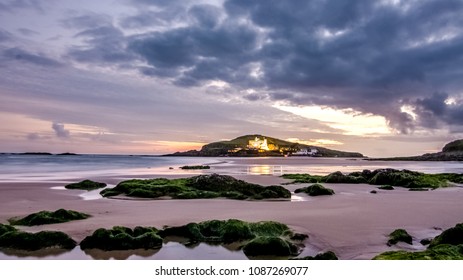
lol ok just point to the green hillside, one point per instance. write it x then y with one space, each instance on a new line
279 148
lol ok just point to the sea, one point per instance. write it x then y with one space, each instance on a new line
46 168
39 168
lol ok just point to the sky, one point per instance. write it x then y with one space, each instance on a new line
384 78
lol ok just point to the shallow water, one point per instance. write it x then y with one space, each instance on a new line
169 251
36 168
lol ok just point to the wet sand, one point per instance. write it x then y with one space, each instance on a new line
353 223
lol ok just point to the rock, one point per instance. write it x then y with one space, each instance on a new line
122 238
87 185
36 241
269 246
47 217
440 252
451 236
315 190
329 255
399 235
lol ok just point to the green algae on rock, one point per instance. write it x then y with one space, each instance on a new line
47 217
399 235
87 185
36 241
202 186
260 238
315 190
123 238
387 176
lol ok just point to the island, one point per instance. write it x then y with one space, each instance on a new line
256 145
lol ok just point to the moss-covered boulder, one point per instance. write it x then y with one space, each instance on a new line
6 228
276 237
339 178
269 245
386 187
329 255
439 252
304 178
399 235
203 186
451 236
315 190
47 217
446 246
226 231
387 176
123 238
36 241
87 185
195 167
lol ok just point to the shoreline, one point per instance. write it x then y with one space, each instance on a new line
353 223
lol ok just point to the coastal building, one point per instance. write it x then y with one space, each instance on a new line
306 152
259 144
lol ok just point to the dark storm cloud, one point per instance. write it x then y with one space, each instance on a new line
5 35
87 20
12 5
360 54
103 43
27 32
18 54
436 107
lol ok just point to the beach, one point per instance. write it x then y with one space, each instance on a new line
353 223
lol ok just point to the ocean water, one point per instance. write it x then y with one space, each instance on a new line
36 168
41 168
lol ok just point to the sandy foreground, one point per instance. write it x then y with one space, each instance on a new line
353 223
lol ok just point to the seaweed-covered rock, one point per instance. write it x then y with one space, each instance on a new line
339 178
87 185
386 187
260 238
36 241
303 178
269 245
315 190
299 237
446 246
440 252
202 186
232 230
425 241
451 236
329 255
6 228
399 235
47 217
122 238
193 167
388 176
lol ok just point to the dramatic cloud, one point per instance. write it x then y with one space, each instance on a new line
321 69
365 55
60 131
17 54
11 5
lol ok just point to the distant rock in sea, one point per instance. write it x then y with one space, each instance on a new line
452 151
